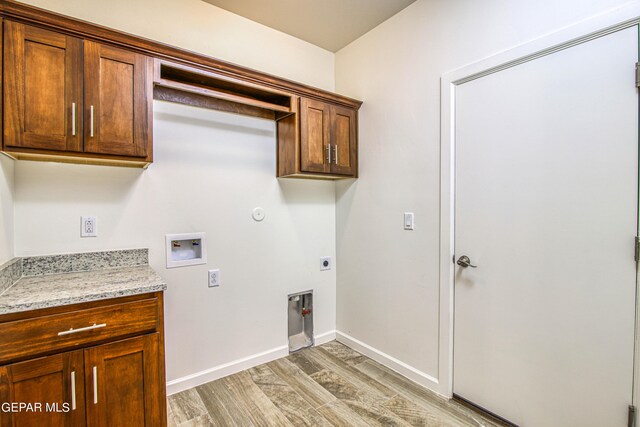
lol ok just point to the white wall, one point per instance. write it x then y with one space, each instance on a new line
211 169
388 290
6 209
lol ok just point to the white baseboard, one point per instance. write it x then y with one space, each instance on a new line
221 371
325 338
390 362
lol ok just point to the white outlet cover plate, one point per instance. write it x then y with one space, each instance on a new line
322 262
214 278
88 226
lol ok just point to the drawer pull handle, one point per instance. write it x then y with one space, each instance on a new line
73 390
91 121
88 328
73 119
95 385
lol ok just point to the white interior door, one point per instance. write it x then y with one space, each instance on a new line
546 191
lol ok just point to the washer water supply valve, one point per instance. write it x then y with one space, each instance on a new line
305 311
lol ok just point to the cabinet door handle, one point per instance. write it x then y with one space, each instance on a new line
95 385
73 119
336 156
329 153
73 390
86 328
91 121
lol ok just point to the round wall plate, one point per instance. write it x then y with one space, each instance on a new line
258 214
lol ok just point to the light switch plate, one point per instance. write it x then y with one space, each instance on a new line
408 221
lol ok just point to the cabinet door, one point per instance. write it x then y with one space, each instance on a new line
42 89
53 385
116 104
314 136
123 384
344 141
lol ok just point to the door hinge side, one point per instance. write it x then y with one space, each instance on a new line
636 250
631 422
637 74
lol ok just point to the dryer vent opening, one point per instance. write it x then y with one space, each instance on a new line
300 320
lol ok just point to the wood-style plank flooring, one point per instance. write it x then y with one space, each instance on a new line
329 385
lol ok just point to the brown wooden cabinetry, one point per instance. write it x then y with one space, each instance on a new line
64 96
318 141
343 132
124 379
52 385
103 365
42 89
115 90
315 136
82 93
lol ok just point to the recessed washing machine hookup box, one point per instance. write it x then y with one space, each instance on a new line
300 321
186 249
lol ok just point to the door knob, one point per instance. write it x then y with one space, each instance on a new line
465 262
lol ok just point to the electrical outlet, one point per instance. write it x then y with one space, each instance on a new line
325 263
214 278
89 226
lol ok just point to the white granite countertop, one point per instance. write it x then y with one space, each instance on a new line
31 293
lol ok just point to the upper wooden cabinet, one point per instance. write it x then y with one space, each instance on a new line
318 141
42 89
82 93
115 93
315 136
344 130
64 96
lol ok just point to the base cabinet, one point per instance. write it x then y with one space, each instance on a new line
52 386
121 380
113 381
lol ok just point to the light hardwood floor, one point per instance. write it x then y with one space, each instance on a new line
329 385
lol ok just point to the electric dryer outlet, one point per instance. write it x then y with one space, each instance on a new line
325 263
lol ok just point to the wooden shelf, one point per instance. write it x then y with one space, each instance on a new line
182 81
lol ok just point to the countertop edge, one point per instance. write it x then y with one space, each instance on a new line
18 308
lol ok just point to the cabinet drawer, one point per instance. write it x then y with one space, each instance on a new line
46 334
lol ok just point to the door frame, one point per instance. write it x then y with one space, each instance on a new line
600 25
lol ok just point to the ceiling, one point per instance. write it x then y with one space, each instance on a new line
330 24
